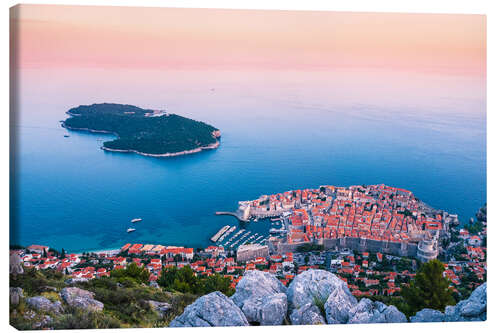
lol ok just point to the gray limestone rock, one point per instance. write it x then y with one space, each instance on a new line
427 316
338 305
367 312
308 314
73 281
15 264
311 286
266 310
214 309
161 308
41 303
16 294
261 296
82 299
471 309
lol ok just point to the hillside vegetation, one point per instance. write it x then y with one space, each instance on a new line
138 130
126 296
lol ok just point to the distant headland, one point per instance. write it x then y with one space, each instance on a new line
141 131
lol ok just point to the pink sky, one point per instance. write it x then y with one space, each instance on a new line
128 37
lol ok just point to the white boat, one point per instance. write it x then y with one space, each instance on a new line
130 229
135 220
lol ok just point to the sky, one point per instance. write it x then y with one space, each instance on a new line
138 37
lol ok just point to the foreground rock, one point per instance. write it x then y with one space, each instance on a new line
15 264
367 311
261 297
43 304
161 308
471 309
15 295
427 316
313 297
313 286
214 309
81 299
308 314
338 305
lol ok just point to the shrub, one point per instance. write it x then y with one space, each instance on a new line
78 319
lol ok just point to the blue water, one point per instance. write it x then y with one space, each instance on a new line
67 193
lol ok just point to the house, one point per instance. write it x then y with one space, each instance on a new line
38 248
475 241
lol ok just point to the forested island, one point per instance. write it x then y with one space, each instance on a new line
142 131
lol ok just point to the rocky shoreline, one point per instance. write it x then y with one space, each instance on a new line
184 152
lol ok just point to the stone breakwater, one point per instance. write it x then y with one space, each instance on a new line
313 297
215 145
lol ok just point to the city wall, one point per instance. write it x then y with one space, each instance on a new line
402 249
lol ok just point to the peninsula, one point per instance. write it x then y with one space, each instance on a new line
142 131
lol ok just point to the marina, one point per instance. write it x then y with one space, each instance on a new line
219 233
233 237
227 233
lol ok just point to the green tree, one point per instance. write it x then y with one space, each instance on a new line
183 280
217 282
131 273
429 289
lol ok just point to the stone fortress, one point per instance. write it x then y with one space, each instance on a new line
374 218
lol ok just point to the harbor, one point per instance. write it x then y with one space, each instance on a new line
231 237
219 233
237 214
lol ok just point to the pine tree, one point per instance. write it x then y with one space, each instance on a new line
63 254
429 289
44 254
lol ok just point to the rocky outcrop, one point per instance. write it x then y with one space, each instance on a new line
427 316
81 299
338 305
15 264
74 281
161 308
15 295
43 304
313 297
266 310
261 297
367 311
308 314
311 287
214 309
471 309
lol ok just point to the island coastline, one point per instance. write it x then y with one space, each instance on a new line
215 134
184 152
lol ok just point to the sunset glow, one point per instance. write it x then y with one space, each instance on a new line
83 36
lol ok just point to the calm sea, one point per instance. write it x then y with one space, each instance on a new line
281 130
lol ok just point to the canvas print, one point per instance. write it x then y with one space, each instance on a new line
214 167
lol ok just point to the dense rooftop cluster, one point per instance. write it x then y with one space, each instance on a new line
376 212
